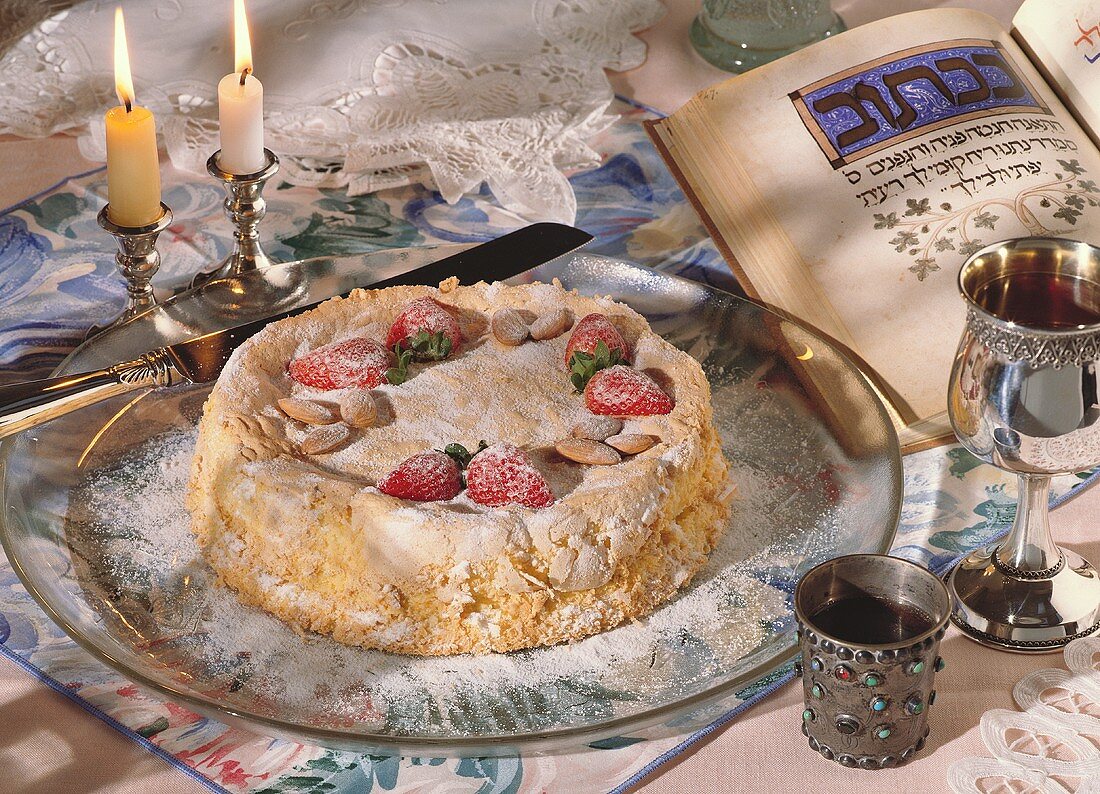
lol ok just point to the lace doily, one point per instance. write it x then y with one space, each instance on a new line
359 94
1053 744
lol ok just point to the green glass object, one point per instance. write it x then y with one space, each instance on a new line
737 35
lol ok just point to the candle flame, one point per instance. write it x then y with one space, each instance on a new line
124 83
241 41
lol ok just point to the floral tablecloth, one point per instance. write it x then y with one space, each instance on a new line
57 277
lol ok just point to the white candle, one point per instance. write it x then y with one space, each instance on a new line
241 106
133 173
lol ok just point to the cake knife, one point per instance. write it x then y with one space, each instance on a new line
200 360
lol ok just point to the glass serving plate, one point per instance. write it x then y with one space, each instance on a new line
95 526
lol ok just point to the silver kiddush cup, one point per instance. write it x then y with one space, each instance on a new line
869 629
1023 396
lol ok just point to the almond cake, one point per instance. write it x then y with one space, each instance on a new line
460 469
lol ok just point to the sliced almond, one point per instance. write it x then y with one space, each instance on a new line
509 327
597 428
308 411
583 450
358 409
552 324
631 443
324 439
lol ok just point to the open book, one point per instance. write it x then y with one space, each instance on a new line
846 183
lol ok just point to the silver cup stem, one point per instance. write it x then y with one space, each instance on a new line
1029 546
245 207
137 259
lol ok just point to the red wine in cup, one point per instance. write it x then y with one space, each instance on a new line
1041 300
865 620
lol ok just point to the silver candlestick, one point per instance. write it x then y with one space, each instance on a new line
137 260
245 207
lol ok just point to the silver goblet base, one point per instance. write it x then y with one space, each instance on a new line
1017 611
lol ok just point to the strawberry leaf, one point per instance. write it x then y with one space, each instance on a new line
603 355
399 374
583 366
462 456
459 453
430 347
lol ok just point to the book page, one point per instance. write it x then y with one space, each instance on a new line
1064 41
850 181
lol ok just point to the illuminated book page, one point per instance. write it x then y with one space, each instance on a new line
1064 40
848 182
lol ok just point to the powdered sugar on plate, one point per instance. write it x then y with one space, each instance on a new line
137 559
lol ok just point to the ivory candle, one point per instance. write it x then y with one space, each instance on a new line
133 172
241 106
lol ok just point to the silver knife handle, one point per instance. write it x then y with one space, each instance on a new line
24 405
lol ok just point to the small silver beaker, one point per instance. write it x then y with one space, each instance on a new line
869 628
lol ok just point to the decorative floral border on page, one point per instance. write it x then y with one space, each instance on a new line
923 231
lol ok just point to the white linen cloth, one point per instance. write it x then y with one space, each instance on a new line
360 94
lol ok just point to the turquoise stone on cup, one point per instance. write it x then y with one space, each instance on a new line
737 35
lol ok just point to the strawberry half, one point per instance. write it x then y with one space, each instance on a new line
592 329
427 329
504 475
358 361
425 477
622 391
